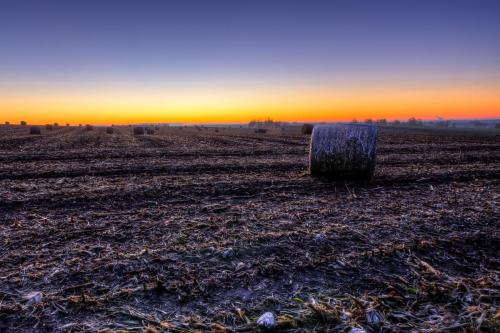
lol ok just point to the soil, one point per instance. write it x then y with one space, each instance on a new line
204 230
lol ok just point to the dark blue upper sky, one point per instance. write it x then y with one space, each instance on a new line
182 41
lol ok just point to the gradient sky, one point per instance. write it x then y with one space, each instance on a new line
232 61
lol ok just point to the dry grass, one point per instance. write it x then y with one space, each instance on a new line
190 231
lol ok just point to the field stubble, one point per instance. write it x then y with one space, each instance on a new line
194 229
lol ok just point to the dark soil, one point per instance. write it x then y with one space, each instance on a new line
201 230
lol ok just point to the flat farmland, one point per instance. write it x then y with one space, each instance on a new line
205 229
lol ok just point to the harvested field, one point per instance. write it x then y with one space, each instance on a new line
206 230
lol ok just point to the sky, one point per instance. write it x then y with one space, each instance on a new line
218 61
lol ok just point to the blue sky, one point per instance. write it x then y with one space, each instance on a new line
238 40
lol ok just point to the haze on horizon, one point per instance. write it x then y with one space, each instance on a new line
232 61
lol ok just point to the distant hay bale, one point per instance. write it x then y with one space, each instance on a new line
23 123
49 127
89 127
150 131
109 130
343 152
138 130
261 130
307 129
35 130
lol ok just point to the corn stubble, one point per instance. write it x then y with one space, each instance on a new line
188 231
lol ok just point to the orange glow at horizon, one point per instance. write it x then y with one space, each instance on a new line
240 106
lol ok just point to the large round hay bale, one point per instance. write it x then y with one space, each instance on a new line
307 129
343 152
138 130
109 130
35 130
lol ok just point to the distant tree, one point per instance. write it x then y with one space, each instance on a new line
266 123
443 123
415 122
382 122
369 121
396 122
354 121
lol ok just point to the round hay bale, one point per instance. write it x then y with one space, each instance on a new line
49 127
343 152
307 129
138 130
35 130
109 130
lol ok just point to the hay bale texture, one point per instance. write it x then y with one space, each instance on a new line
138 130
35 130
343 151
